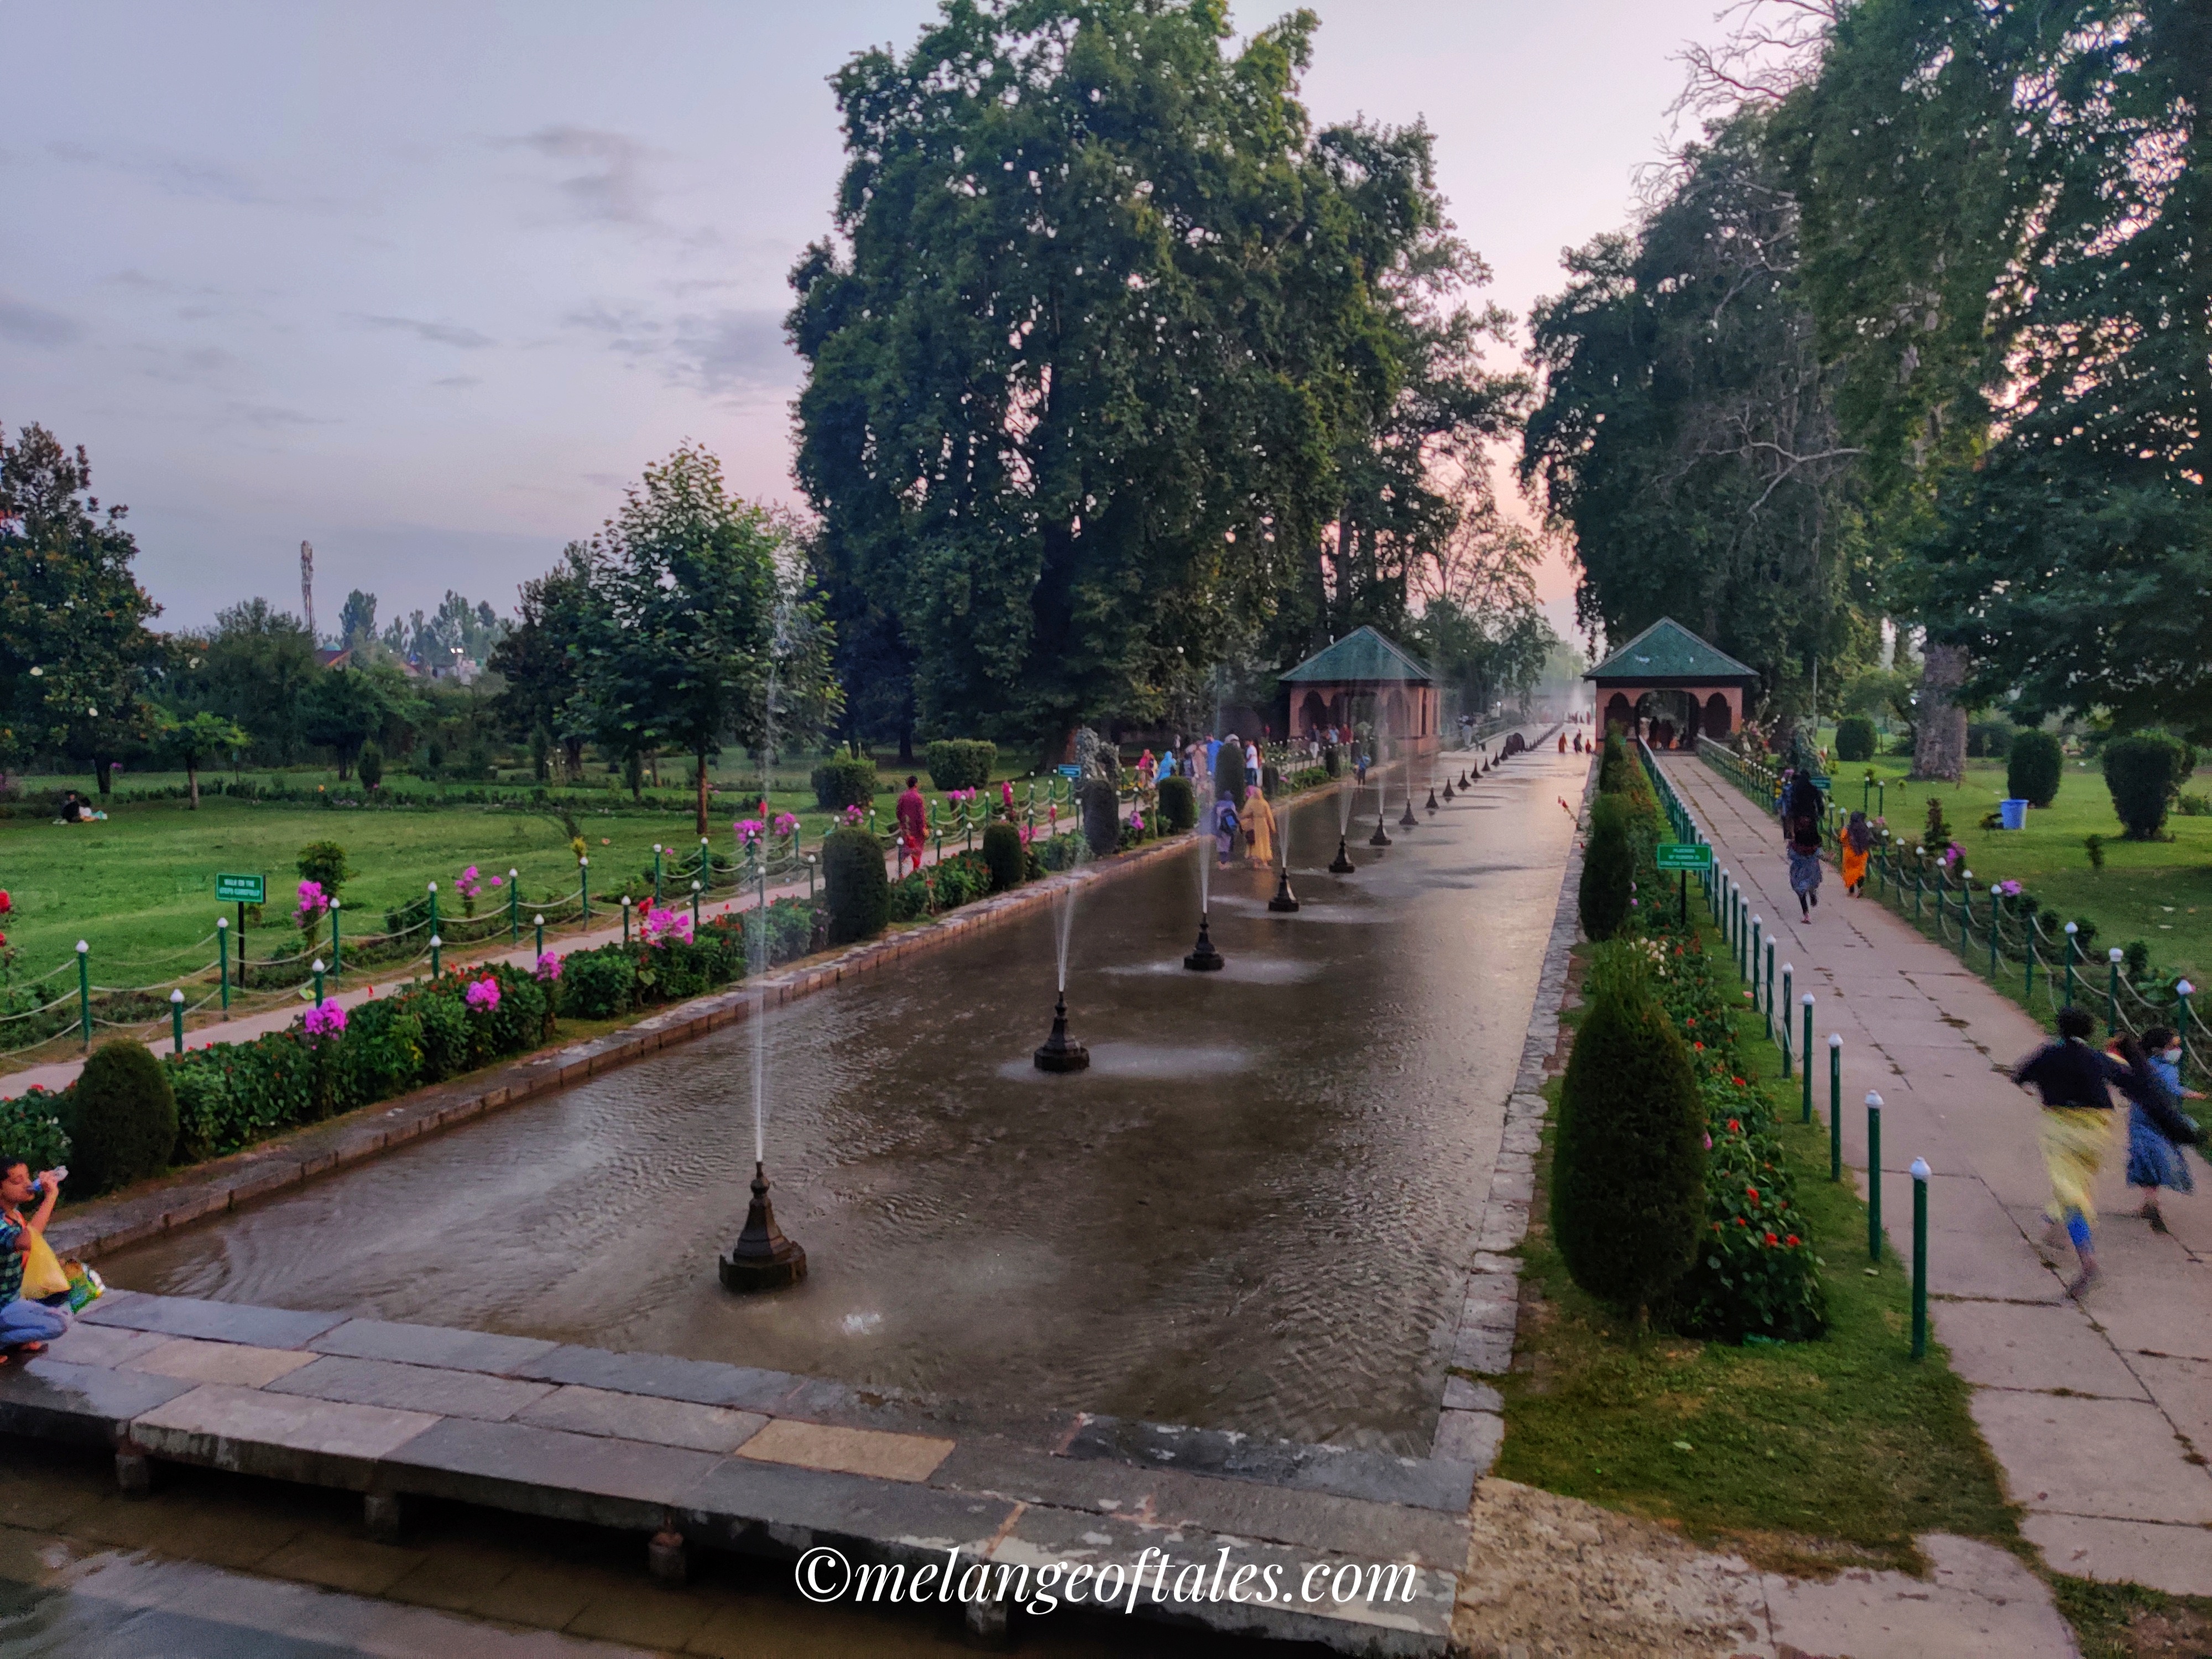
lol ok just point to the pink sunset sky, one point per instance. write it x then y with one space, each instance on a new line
425 284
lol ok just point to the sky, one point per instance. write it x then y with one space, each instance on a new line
425 284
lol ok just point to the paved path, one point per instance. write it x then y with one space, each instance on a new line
2096 1413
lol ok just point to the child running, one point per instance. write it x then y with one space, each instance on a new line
2157 1130
2072 1079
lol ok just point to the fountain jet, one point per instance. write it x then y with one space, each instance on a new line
1203 958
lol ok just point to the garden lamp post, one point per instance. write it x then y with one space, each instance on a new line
810 878
316 969
84 989
2073 930
695 908
337 961
2113 991
656 873
177 1021
222 959
1920 1174
1874 1177
541 938
433 907
1835 1106
625 908
584 885
514 906
437 945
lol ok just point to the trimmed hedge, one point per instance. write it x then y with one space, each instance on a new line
844 780
1178 804
960 762
1003 853
1628 1163
1608 869
2145 771
122 1118
2034 767
1102 816
855 886
1855 738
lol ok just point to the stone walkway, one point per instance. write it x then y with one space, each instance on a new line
2096 1413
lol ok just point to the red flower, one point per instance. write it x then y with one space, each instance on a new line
1741 1222
1752 1193
1738 1081
1734 1124
1771 1239
1792 1239
1699 1046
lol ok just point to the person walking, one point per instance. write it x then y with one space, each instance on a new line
26 1326
913 816
2072 1079
1226 828
1858 845
1251 765
1258 827
1800 832
2157 1129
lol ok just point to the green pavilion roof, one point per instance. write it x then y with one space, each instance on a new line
1361 657
1668 651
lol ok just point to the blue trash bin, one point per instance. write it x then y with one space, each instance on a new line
2012 814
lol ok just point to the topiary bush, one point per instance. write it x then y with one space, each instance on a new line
1178 804
1855 738
1628 1164
844 780
1102 816
30 1130
122 1118
2145 771
370 764
855 887
1229 773
324 862
960 762
1614 762
1003 853
1608 868
2034 767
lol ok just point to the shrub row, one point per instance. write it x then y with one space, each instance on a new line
960 762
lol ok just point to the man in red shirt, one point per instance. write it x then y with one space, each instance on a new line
913 821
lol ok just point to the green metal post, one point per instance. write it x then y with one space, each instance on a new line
584 887
695 908
316 968
1881 799
810 878
1835 1106
2113 993
1866 794
338 960
2182 990
434 908
513 908
177 1021
2072 933
1874 1177
1770 991
1757 923
1919 880
541 938
222 959
1788 974
84 989
1806 1002
1920 1258
1996 916
625 905
437 945
656 873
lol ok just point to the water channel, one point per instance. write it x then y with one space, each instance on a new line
1253 1211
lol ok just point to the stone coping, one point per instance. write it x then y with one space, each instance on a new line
222 1184
737 1458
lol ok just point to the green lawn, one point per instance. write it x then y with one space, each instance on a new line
1805 1456
2157 891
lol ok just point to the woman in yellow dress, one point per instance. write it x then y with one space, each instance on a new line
1258 827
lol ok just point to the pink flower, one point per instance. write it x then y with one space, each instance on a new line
314 904
749 831
662 926
785 824
549 968
852 816
466 884
327 1020
483 994
499 881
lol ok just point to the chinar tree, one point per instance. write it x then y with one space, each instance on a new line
703 627
1101 320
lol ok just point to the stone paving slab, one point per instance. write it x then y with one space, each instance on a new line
1426 1483
548 1472
780 1509
431 1344
583 1410
2116 1458
2174 1558
410 1387
217 1321
702 1381
2012 1345
318 1442
1978 1598
52 1399
846 1451
192 1360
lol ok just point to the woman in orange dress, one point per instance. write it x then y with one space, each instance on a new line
1858 842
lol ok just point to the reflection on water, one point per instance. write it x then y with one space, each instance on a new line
1252 1212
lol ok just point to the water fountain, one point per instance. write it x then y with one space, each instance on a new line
1284 900
1341 865
1059 1053
1432 794
1203 958
1448 788
1406 819
1380 837
763 1258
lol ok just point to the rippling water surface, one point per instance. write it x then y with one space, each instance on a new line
1253 1211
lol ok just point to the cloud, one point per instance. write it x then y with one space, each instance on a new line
610 185
32 325
456 382
450 334
733 351
274 415
172 175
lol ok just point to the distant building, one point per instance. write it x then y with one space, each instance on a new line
1365 677
328 657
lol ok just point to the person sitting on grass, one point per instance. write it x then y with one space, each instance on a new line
25 1327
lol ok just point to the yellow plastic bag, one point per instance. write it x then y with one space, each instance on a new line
42 1271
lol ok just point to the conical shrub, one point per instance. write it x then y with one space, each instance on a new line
856 891
122 1122
1608 868
1003 853
1628 1158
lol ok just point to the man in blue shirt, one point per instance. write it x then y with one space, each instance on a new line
26 1327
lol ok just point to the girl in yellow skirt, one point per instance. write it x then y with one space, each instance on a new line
2073 1080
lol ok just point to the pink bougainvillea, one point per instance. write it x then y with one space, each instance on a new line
327 1020
749 831
785 824
483 994
852 816
549 968
662 926
314 905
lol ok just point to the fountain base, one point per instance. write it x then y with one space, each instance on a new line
1432 797
1406 820
1203 958
762 1259
1448 788
1342 864
1284 900
1380 837
1059 1053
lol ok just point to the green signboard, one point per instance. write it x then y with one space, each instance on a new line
241 890
1683 856
1822 783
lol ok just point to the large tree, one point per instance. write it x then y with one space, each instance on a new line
1104 327
703 628
1687 434
75 652
540 659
